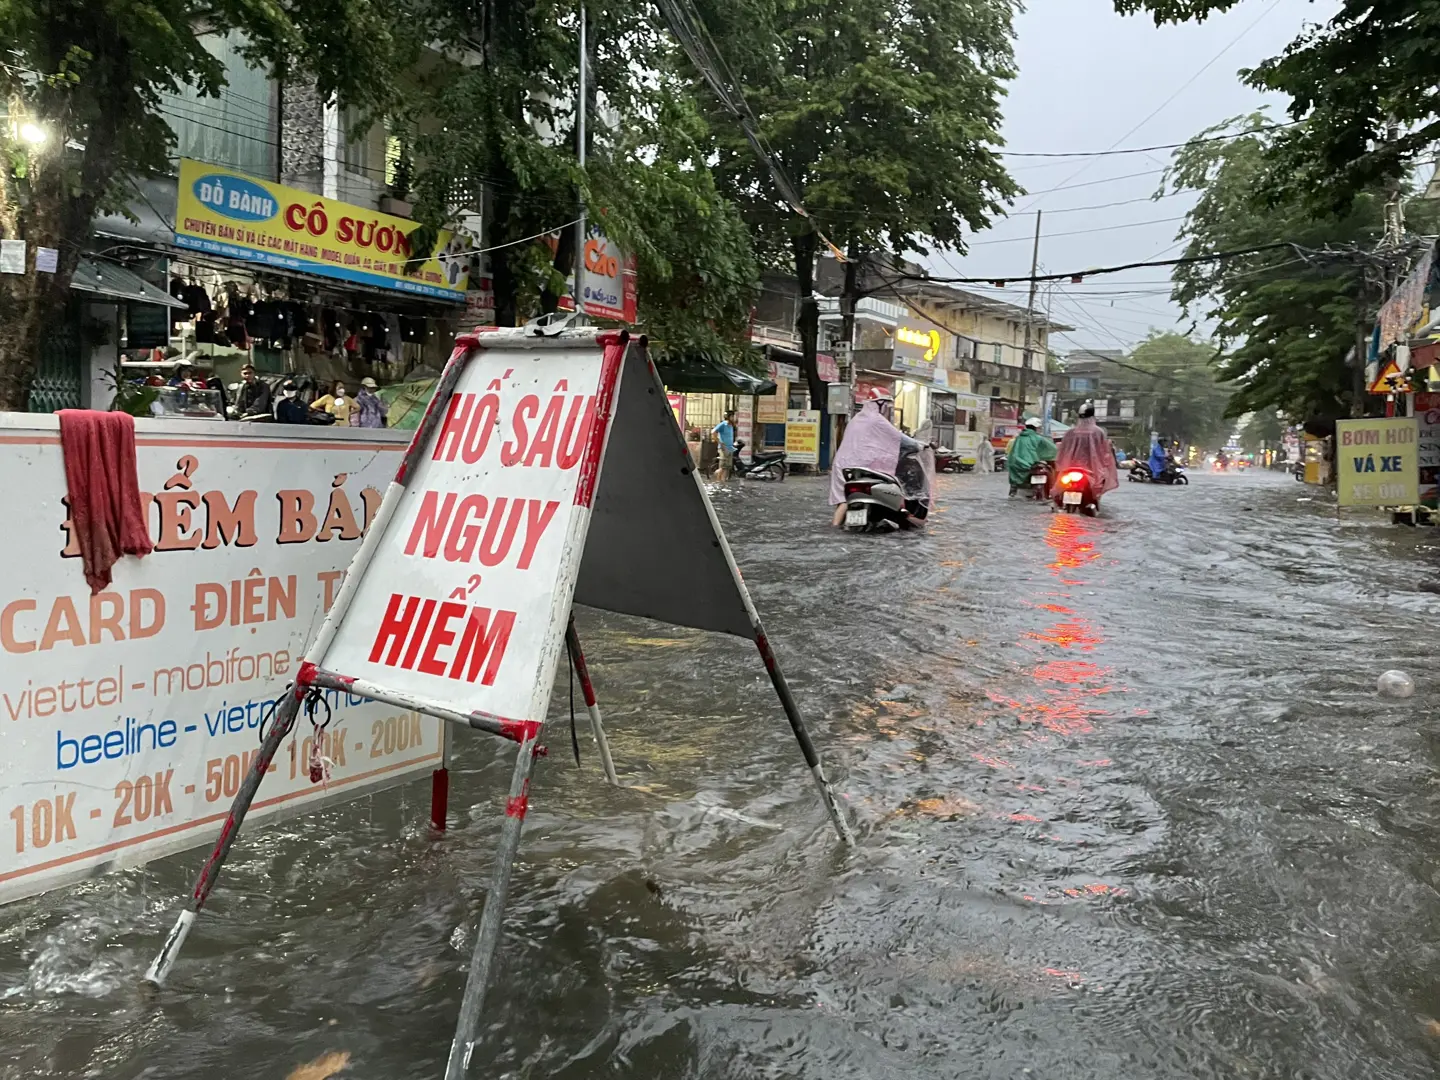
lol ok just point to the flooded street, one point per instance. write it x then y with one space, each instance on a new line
1128 806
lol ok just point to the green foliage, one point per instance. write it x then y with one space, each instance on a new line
1264 428
1181 399
885 119
1285 322
1372 65
508 124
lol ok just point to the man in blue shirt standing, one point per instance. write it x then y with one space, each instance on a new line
725 435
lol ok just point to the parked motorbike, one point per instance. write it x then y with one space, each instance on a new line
769 465
1075 493
947 460
878 502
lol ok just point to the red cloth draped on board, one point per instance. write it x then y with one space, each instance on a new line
106 518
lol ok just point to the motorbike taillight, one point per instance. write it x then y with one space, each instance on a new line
858 487
1071 478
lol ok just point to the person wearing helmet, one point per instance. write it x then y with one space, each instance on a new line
1023 452
1087 447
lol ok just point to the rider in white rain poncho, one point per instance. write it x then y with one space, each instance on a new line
871 442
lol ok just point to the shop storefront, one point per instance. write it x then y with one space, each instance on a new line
299 287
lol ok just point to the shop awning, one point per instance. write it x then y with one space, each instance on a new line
113 280
701 375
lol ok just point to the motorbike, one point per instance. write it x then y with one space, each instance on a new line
761 466
1041 477
878 502
1174 473
1075 493
947 460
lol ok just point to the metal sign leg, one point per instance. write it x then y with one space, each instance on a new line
802 736
582 672
285 713
487 938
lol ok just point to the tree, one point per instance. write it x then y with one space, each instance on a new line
83 81
885 120
502 135
1286 318
1264 428
1179 397
1371 67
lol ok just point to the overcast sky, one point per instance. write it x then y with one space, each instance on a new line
1091 80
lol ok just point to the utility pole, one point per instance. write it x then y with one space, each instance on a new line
1030 318
580 237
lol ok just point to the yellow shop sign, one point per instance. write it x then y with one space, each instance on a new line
227 213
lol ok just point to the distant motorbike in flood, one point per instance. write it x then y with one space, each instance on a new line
1173 473
1075 493
879 502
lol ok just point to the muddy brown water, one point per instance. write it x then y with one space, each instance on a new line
1129 807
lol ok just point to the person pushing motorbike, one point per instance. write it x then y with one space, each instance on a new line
1023 452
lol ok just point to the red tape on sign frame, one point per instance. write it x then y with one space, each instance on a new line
615 345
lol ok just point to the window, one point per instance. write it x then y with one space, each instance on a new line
238 129
357 148
1078 383
998 353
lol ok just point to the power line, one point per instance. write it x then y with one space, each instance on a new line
1093 271
1148 149
1081 232
1182 88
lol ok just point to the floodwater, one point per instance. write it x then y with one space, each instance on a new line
1129 806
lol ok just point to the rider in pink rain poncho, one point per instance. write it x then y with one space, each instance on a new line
1087 447
871 442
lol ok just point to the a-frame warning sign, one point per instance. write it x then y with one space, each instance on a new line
548 471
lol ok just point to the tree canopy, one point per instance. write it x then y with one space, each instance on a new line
1285 319
1179 397
1372 65
886 121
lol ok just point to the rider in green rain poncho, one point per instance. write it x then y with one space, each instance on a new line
1024 451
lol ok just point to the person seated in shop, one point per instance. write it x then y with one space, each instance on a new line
290 409
254 396
336 403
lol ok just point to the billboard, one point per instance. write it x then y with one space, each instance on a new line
223 212
132 715
1377 462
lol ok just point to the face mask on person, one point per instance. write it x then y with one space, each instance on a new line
289 391
340 391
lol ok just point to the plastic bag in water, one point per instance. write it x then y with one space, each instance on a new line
1395 684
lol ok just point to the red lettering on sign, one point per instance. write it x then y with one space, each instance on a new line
514 450
394 628
430 523
484 643
460 547
452 430
414 625
537 517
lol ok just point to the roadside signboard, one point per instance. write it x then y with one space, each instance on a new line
1427 413
1377 462
608 285
802 436
131 715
